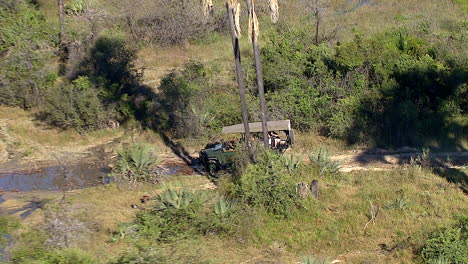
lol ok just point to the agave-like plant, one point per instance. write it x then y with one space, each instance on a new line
177 199
292 163
135 164
222 207
327 167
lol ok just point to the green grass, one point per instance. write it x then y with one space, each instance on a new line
413 202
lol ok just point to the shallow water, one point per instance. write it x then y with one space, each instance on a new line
54 178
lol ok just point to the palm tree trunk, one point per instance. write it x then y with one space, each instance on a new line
261 90
61 20
63 53
240 80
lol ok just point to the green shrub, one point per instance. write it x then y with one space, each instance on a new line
181 214
77 106
193 104
26 42
7 224
43 255
449 245
69 256
268 184
135 164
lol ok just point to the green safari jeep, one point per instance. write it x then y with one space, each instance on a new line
217 157
220 155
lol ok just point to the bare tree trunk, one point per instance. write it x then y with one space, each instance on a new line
63 50
317 25
240 80
61 20
261 90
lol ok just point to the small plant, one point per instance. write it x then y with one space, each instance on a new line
75 7
136 164
222 207
398 203
422 160
328 168
292 163
123 231
314 260
175 199
440 260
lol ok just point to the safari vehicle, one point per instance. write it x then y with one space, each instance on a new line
220 155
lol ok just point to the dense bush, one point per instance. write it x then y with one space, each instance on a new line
25 47
268 184
450 245
182 214
390 89
77 105
192 104
167 22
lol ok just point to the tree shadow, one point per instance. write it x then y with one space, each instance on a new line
418 110
455 176
111 64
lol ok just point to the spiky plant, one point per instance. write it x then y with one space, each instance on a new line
327 167
292 163
314 260
177 199
135 164
222 207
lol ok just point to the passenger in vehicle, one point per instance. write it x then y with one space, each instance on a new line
274 139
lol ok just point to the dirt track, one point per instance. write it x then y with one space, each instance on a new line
383 161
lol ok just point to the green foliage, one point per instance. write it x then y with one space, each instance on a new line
449 245
43 255
25 48
177 199
268 184
77 105
69 256
400 202
144 257
222 207
75 7
292 163
188 105
136 163
390 89
7 225
327 167
111 58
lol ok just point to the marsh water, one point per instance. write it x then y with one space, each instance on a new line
55 178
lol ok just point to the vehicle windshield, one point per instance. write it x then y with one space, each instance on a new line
218 146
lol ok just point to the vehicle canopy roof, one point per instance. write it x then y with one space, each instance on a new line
257 127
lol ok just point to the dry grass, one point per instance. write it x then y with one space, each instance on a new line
36 141
311 141
105 207
377 16
159 61
334 226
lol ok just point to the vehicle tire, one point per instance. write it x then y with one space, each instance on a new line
211 168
